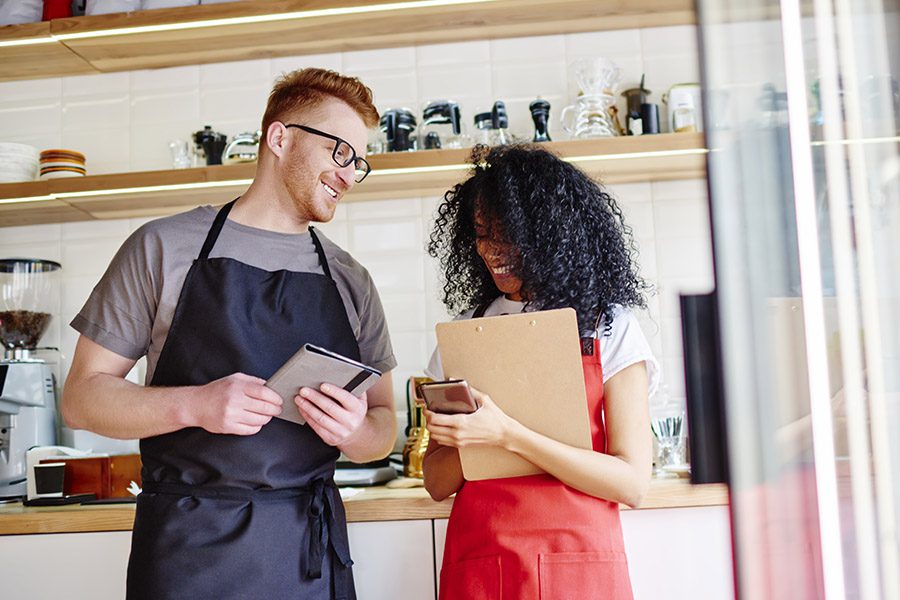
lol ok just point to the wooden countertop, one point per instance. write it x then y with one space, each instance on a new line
372 504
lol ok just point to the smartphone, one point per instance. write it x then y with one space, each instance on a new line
451 397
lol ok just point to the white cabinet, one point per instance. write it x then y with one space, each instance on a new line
679 553
393 560
675 553
80 566
440 535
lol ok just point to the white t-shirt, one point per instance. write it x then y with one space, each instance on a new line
624 346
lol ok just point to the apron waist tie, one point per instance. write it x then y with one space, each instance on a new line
324 529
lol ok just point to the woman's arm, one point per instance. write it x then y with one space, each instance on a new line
442 469
622 475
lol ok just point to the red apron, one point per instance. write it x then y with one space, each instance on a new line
530 538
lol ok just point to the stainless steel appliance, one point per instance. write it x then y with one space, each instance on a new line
243 148
27 386
27 418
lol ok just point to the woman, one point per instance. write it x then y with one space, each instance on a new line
528 231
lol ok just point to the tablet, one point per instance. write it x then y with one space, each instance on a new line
312 366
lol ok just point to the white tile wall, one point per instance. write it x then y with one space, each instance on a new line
124 121
389 238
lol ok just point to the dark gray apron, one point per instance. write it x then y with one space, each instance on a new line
229 516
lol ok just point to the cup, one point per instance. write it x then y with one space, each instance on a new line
181 154
668 426
49 479
57 9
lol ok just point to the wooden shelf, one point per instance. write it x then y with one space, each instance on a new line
270 28
394 176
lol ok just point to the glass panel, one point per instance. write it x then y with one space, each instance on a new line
802 114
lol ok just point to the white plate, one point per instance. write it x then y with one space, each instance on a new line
61 174
14 148
682 470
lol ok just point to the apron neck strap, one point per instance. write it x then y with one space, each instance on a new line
321 252
481 309
219 222
215 230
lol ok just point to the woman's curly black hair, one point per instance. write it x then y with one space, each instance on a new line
576 250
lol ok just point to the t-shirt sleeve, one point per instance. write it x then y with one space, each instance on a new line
119 313
435 370
626 345
374 339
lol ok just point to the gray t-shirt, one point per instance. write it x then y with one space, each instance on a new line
130 310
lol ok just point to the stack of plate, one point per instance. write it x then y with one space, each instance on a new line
62 163
18 162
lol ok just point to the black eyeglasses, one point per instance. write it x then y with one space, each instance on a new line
343 153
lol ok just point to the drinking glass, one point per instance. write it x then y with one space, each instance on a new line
668 426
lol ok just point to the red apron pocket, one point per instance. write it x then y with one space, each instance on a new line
473 579
584 576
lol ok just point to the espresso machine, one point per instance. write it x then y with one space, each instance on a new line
28 288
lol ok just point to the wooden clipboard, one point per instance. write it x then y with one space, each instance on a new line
530 366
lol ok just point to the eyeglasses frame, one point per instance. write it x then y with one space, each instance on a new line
337 144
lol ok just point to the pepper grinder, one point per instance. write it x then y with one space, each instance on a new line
540 114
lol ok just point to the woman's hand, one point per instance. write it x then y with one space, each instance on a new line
487 426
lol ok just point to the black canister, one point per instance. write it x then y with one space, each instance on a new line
649 118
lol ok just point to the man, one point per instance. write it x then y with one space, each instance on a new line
236 503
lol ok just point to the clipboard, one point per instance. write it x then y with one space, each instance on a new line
530 366
312 366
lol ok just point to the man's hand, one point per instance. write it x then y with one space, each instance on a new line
238 404
334 413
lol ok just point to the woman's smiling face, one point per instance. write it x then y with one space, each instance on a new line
501 257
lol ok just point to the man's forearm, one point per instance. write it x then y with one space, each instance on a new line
111 406
375 437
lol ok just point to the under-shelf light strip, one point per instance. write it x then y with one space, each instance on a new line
201 185
381 172
288 16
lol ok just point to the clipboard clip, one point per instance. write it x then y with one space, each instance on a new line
587 346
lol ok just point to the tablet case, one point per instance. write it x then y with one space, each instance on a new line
530 366
312 366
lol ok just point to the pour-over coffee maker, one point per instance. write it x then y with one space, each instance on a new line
28 288
598 80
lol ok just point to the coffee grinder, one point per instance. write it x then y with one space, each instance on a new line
28 291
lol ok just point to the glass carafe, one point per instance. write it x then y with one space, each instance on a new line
589 117
598 80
